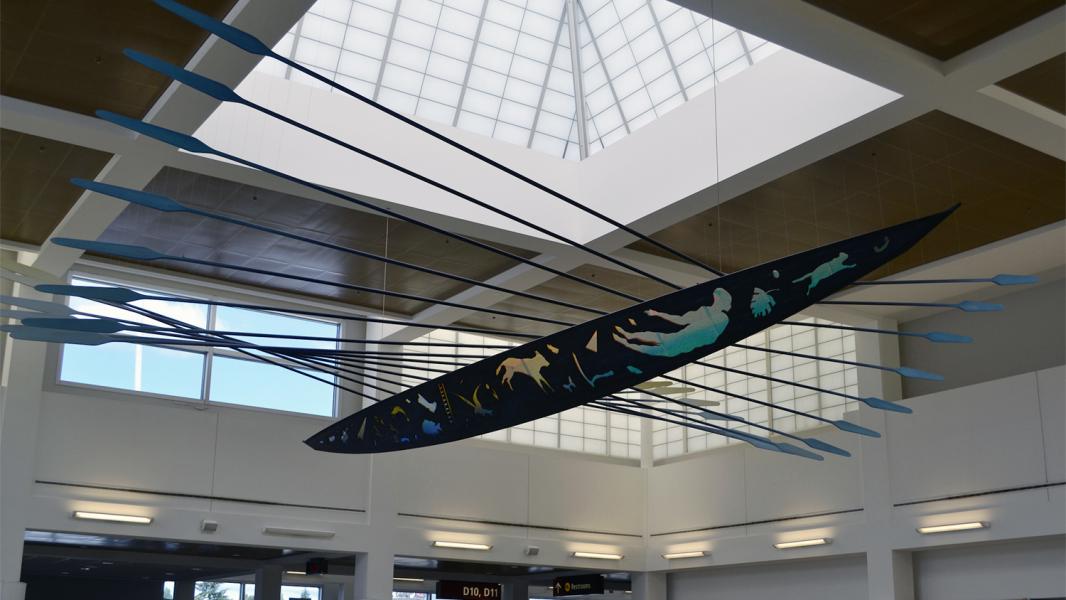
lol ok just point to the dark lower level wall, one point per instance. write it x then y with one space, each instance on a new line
76 588
1029 335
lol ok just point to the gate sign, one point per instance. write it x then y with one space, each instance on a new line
469 590
577 585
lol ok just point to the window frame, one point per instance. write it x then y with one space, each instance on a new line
204 401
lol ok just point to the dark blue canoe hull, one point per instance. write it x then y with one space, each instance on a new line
608 354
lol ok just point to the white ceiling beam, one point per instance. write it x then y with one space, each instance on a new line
950 85
1003 116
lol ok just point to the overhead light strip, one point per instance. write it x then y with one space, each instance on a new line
598 555
97 516
409 579
460 545
802 543
953 527
678 555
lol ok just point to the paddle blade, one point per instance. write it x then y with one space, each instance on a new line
167 136
875 402
947 338
10 313
797 451
122 250
818 444
199 83
918 374
129 195
231 34
87 325
971 306
1006 279
41 306
855 428
92 292
35 334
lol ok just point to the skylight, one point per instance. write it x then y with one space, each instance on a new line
505 68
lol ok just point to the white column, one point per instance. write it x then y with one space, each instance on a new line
889 573
268 582
373 570
19 423
333 591
373 576
649 586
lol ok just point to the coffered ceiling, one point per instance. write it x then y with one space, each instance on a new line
1044 83
68 53
940 28
35 193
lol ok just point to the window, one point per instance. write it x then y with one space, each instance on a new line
194 373
673 440
505 69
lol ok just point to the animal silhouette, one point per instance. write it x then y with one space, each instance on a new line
530 367
825 270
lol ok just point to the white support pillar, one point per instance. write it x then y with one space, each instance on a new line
649 586
373 576
889 573
373 570
19 423
268 582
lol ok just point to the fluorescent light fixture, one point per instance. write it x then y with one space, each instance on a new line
409 579
295 573
460 545
692 554
310 533
598 555
953 527
802 543
96 516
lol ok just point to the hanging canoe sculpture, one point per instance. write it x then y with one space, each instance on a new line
608 354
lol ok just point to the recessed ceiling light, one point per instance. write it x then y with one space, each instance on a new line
96 516
409 579
461 545
953 527
598 555
802 543
692 554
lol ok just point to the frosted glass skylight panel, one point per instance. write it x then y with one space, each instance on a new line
672 440
504 68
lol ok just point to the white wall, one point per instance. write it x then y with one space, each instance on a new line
1033 568
741 484
248 469
812 579
978 438
1029 314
